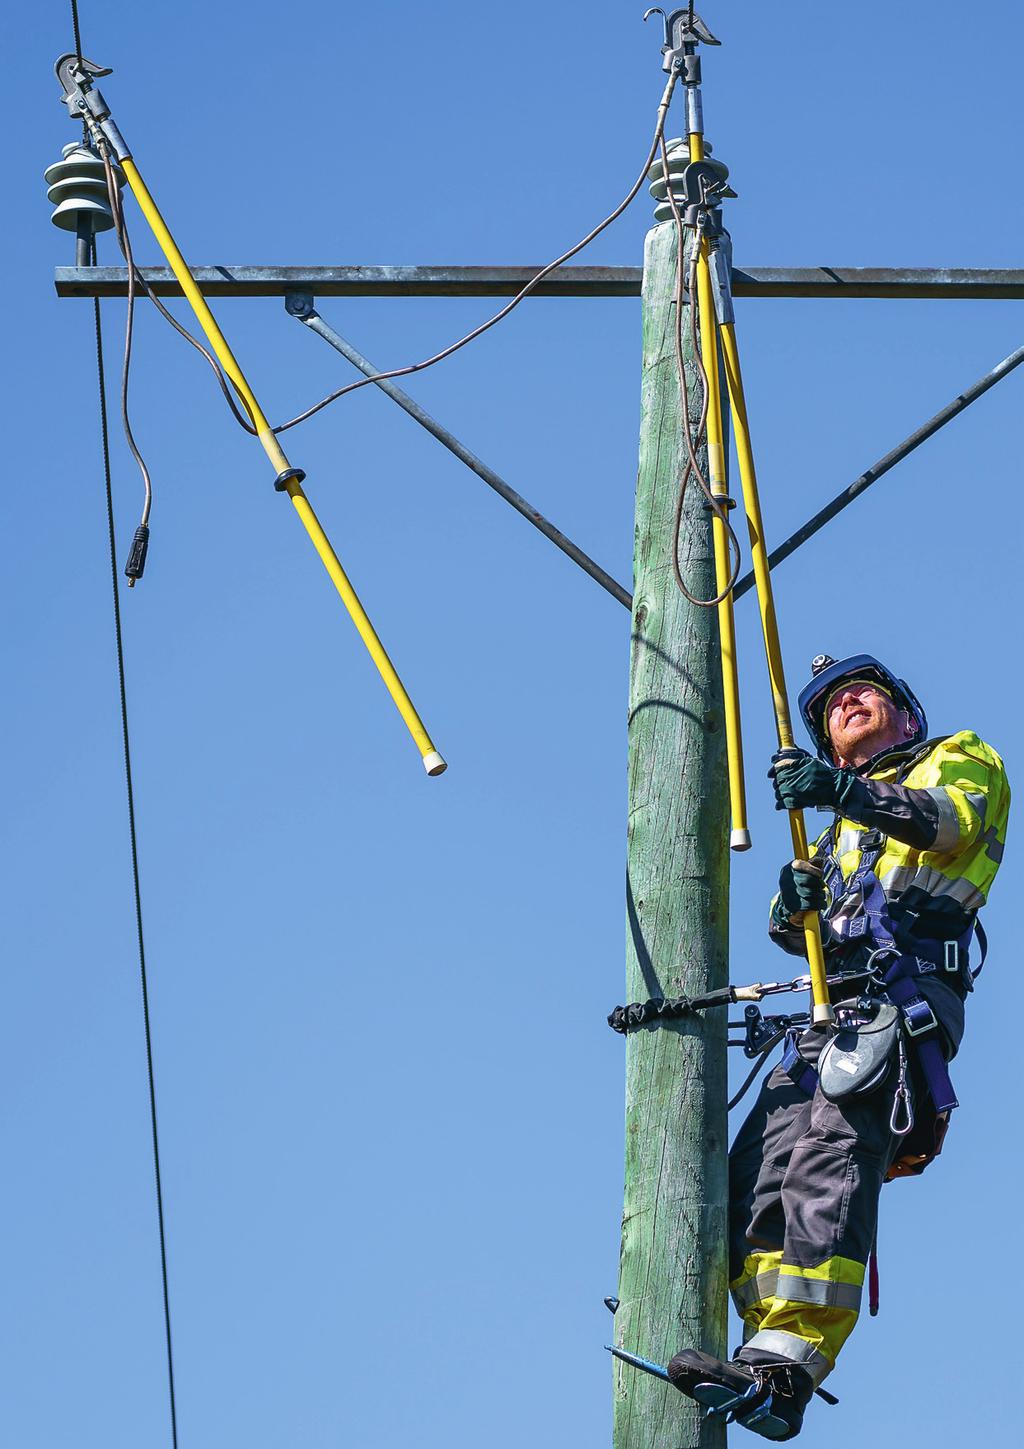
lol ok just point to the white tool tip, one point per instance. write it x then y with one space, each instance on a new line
823 1015
434 764
739 840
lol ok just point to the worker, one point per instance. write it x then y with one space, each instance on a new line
898 877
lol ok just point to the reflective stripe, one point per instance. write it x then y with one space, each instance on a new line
960 772
933 883
947 830
787 1345
819 1291
755 1290
978 803
993 848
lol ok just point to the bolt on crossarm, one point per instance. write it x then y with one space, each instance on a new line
85 102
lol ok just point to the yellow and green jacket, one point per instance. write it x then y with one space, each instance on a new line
942 808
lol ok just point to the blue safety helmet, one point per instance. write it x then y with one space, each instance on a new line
828 674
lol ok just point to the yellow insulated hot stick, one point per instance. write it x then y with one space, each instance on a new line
291 483
822 1007
739 838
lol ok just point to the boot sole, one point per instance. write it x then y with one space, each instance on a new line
760 1421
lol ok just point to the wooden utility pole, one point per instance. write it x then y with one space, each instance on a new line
672 1275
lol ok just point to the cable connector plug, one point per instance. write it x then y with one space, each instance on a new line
136 564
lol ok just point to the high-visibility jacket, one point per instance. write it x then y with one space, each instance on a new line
942 806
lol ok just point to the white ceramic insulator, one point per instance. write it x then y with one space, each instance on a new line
78 185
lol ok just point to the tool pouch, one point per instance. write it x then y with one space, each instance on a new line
856 1060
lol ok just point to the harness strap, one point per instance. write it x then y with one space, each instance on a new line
979 931
921 1026
800 1073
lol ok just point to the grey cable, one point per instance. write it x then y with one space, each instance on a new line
693 468
531 285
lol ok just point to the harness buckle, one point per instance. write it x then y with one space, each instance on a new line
918 1017
951 957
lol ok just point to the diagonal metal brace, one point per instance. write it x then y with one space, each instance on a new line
920 435
302 306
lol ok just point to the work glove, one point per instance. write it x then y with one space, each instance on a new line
801 889
800 781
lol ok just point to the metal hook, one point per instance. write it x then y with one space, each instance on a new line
657 10
68 71
75 80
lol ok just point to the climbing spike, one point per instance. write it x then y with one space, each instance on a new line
644 1364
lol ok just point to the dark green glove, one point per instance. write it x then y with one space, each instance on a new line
800 889
801 781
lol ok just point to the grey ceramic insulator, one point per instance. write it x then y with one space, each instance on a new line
678 160
78 189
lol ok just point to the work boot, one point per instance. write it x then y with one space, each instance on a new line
786 1390
709 1380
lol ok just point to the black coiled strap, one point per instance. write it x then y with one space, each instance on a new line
658 1008
666 1008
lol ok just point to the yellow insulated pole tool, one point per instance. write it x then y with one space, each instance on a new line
289 478
684 32
85 103
822 1007
739 838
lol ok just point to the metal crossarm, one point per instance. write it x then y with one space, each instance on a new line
849 282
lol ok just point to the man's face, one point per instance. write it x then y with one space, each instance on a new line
862 721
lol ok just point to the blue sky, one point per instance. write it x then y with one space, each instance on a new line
391 1111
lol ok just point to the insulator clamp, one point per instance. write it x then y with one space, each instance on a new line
715 173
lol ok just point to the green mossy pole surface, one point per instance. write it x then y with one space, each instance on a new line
672 1275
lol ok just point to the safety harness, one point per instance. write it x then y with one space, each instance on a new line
892 974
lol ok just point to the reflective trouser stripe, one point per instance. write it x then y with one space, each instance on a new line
753 1291
814 1310
790 1345
818 1291
756 1291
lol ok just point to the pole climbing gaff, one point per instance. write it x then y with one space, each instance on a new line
703 187
85 103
